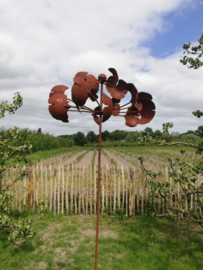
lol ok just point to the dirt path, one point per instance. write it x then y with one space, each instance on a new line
86 160
62 159
104 160
120 161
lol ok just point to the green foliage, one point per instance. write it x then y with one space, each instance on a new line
198 113
133 136
91 137
189 138
194 63
186 179
11 108
118 135
38 140
9 151
79 139
199 131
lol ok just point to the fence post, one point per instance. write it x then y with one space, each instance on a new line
83 204
138 189
55 189
59 181
72 188
131 194
142 203
114 196
102 167
146 195
86 189
67 176
45 167
62 195
126 197
90 190
123 188
24 191
119 188
107 177
30 189
76 192
95 189
110 189
37 186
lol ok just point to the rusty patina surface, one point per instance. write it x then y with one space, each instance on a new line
139 110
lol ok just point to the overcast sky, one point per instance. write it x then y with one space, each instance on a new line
45 43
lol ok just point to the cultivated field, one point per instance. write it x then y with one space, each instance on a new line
155 157
67 240
69 180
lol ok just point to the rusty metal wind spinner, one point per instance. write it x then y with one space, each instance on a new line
139 110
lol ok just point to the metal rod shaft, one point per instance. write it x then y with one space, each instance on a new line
98 183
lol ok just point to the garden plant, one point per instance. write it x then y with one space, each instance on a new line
23 228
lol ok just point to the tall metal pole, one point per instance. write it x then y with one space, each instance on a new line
98 183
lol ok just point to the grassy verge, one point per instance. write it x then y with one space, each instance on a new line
68 242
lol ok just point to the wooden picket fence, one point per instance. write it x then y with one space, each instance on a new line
73 189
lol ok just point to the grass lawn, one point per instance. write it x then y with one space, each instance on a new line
68 242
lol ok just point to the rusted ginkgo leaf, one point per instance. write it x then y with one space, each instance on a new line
117 91
85 86
58 100
141 113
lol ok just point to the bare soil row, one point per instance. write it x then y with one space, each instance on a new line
153 159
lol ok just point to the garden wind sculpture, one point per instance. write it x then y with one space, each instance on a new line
139 110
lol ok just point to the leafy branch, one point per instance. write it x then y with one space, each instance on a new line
22 228
186 179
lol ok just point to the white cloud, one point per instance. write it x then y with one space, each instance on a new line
45 43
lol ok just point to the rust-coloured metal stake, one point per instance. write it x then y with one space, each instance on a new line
86 86
98 183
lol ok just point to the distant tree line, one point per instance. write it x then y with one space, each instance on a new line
123 138
41 141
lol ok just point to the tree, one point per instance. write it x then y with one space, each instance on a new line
79 139
194 63
22 228
133 136
148 130
39 131
199 131
189 138
158 135
107 136
186 180
190 132
189 170
91 137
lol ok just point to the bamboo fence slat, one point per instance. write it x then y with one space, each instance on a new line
74 189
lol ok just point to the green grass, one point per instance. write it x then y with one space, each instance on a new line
68 242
